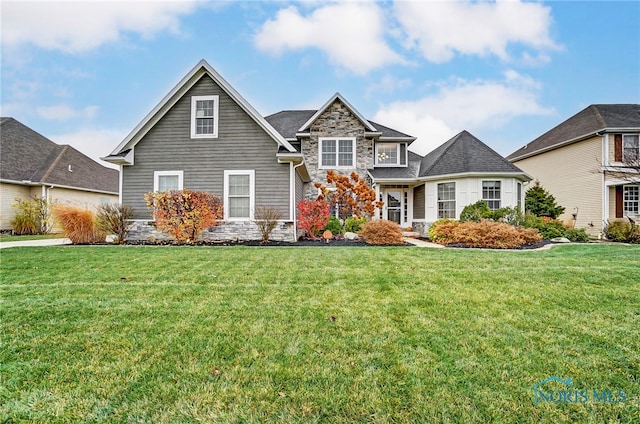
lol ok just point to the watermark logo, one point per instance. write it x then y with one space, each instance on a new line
569 394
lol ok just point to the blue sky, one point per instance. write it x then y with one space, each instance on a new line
86 73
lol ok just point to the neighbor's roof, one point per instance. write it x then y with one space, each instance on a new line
587 122
464 154
29 157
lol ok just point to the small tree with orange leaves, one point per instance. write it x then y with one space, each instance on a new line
352 195
184 213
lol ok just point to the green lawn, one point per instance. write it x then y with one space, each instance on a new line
240 334
8 237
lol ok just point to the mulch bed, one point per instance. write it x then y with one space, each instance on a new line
523 247
302 242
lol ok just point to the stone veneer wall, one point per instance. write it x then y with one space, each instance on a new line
336 121
225 231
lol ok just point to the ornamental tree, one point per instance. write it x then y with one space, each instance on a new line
540 202
184 213
350 194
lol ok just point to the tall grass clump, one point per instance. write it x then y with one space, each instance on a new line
79 225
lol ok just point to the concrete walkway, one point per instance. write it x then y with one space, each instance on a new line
422 243
35 243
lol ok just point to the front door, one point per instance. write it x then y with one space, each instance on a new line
394 205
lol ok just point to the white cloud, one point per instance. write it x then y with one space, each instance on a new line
442 29
350 34
463 105
65 112
81 26
387 84
94 143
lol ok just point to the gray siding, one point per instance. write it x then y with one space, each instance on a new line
418 202
299 188
241 145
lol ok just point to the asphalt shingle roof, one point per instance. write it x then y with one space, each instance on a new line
462 154
26 155
288 122
586 122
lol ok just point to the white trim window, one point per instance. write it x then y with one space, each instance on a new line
168 180
204 116
337 153
447 200
631 200
491 194
630 147
239 195
391 154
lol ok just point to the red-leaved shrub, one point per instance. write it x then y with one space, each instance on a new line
382 231
79 225
184 213
497 235
313 216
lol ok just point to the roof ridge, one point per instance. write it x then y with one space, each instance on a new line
598 116
451 142
54 163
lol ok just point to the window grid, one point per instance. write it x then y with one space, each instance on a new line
631 200
630 147
239 196
168 182
491 194
447 200
337 153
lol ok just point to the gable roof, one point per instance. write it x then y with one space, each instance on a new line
463 154
30 158
586 123
289 122
368 125
189 80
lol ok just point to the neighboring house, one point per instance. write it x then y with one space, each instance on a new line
34 166
204 136
584 162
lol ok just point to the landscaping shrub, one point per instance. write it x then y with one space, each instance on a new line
442 228
313 216
353 224
334 225
475 212
266 218
497 235
113 219
381 231
540 202
184 213
32 216
624 232
79 225
511 216
577 235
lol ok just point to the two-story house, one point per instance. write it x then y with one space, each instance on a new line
590 163
205 136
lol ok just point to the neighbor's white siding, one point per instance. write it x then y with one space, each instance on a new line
8 194
572 174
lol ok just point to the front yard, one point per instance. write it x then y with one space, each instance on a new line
241 334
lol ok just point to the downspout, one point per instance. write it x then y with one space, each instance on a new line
605 190
293 199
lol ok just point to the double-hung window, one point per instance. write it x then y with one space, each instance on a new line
239 195
447 200
337 152
167 180
630 148
391 154
491 194
204 116
631 199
